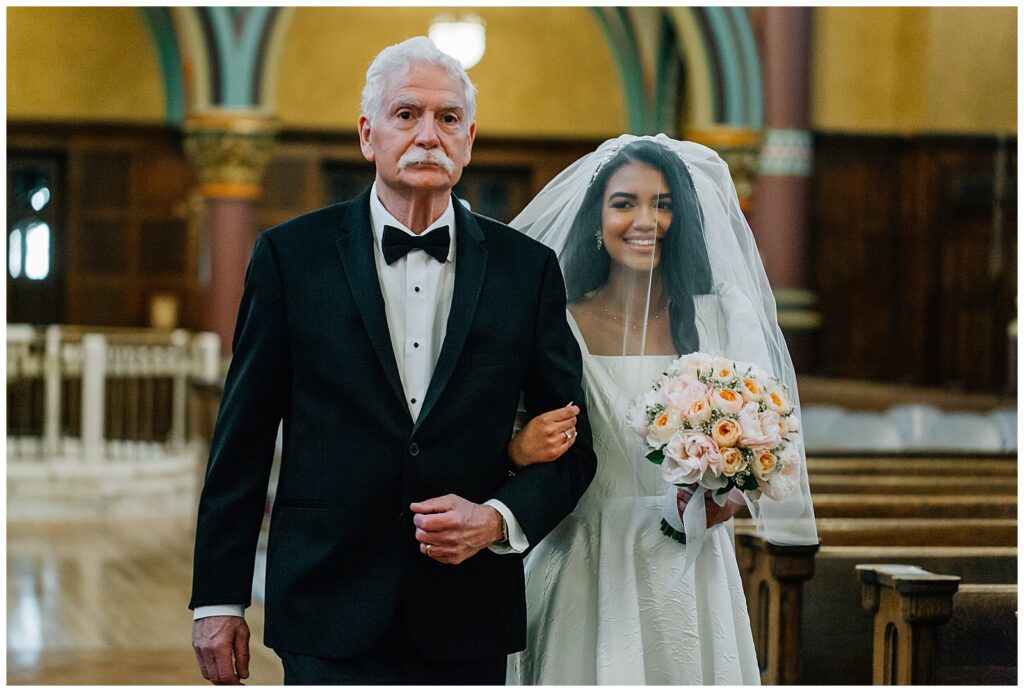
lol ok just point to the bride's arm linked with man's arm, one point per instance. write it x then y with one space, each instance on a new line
547 436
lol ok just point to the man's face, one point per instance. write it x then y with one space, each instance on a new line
420 139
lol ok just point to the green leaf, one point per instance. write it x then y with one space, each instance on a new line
657 456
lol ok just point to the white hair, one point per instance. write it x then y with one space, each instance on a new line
399 58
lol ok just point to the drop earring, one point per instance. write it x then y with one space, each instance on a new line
599 237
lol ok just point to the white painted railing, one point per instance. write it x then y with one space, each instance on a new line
99 418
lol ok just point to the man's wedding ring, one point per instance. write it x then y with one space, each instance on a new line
428 549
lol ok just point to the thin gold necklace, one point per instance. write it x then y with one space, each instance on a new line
634 327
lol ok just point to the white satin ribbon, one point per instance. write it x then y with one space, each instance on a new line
694 526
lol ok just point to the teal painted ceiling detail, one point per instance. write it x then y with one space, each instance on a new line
751 61
729 62
161 26
617 30
237 34
653 105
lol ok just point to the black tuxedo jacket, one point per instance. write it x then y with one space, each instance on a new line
312 347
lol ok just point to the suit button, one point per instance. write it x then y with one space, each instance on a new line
414 450
401 516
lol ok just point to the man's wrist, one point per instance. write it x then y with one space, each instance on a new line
500 527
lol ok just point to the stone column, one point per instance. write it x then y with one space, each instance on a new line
229 150
781 202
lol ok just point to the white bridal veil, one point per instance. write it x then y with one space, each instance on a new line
707 289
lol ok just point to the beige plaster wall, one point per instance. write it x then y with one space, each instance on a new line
915 70
548 71
82 63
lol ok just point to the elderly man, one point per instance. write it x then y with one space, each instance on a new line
394 335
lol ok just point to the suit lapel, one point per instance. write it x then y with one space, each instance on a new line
355 247
470 266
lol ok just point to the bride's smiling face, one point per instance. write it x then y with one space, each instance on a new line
636 215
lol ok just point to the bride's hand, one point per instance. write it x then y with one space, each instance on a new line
545 438
712 512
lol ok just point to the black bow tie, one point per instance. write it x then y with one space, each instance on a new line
397 243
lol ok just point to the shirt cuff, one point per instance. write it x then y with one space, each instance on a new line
517 541
209 611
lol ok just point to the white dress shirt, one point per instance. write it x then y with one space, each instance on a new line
417 292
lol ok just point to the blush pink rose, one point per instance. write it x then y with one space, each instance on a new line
688 455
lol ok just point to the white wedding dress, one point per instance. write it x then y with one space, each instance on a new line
597 610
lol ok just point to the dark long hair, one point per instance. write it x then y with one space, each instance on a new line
685 270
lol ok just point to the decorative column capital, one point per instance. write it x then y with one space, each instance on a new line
229 150
739 147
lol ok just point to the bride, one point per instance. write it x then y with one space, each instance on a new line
658 261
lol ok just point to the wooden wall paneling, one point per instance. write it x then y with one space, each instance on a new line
130 229
854 251
905 259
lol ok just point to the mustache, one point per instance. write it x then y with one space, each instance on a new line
434 156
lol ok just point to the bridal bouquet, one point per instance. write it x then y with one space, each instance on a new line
721 424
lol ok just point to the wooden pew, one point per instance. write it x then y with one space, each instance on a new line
896 466
773 580
930 629
839 483
836 633
916 505
800 623
910 531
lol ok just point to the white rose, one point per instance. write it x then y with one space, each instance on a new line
654 398
636 417
692 364
687 456
792 422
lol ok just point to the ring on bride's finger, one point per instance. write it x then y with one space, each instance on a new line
568 435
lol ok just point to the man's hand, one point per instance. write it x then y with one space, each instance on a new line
221 643
451 529
712 512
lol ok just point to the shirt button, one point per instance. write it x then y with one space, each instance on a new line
414 450
415 344
413 400
417 289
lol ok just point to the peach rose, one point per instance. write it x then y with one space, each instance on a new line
750 389
763 465
732 461
727 400
699 412
662 427
776 400
726 432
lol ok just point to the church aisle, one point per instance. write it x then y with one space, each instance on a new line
104 602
